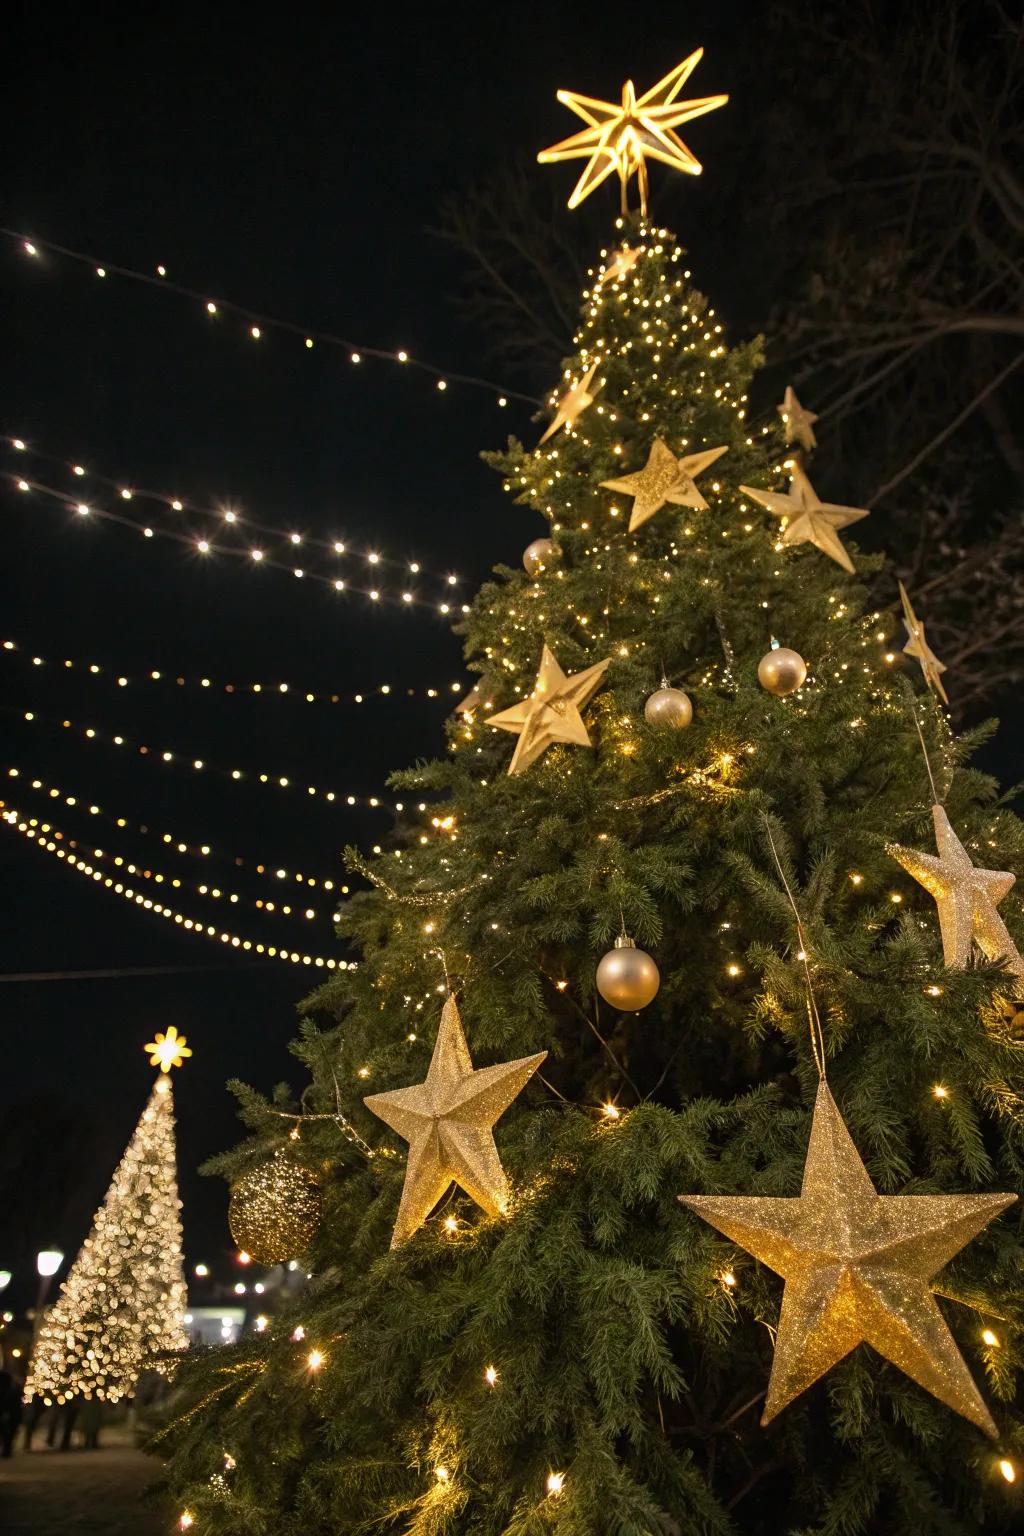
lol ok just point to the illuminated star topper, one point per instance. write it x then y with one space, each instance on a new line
167 1051
621 137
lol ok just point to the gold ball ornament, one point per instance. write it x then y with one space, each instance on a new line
627 977
275 1210
669 706
539 555
782 671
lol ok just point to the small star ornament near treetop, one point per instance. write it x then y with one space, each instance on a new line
622 136
809 520
447 1121
857 1267
552 711
797 423
918 647
664 478
573 403
965 896
620 263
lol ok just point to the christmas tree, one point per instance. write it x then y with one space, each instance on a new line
681 843
122 1305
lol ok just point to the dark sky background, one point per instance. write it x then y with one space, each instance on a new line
293 165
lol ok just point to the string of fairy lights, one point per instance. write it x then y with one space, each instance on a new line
186 760
256 326
253 555
51 840
92 669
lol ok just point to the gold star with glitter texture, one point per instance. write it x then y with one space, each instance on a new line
797 421
621 136
808 519
573 403
857 1267
918 647
448 1122
552 711
664 478
965 896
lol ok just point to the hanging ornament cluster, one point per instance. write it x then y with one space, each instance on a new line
539 555
781 671
857 1267
627 977
668 706
275 1209
447 1121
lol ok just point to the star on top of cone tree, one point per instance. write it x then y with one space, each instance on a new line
966 897
809 520
552 711
573 403
447 1121
621 136
918 647
857 1267
797 421
664 478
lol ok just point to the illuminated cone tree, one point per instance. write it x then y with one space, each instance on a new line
579 1352
122 1305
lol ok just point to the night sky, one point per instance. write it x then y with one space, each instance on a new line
294 166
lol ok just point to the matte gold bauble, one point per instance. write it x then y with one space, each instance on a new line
627 977
669 706
782 671
274 1210
539 555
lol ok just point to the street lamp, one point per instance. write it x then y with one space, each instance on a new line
48 1261
5 1279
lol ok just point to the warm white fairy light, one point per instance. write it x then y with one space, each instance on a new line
989 1338
491 1375
52 841
1007 1469
555 1484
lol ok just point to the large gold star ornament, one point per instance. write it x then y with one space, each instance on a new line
965 896
169 1050
918 647
808 520
552 711
447 1121
664 478
622 136
797 422
573 403
857 1267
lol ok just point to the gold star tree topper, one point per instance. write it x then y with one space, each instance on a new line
797 421
552 711
447 1121
918 647
808 519
664 478
622 136
857 1267
965 896
573 403
168 1051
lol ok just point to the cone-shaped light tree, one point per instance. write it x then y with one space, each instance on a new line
561 1344
122 1305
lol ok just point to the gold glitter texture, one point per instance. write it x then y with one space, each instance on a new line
809 521
857 1267
275 1210
797 421
965 896
447 1121
552 711
664 478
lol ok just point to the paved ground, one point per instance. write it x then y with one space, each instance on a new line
81 1493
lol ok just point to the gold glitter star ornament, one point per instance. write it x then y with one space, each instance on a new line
965 896
918 647
447 1121
573 403
621 136
808 520
857 1267
797 421
664 478
552 711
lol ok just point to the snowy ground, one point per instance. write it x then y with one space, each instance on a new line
81 1493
